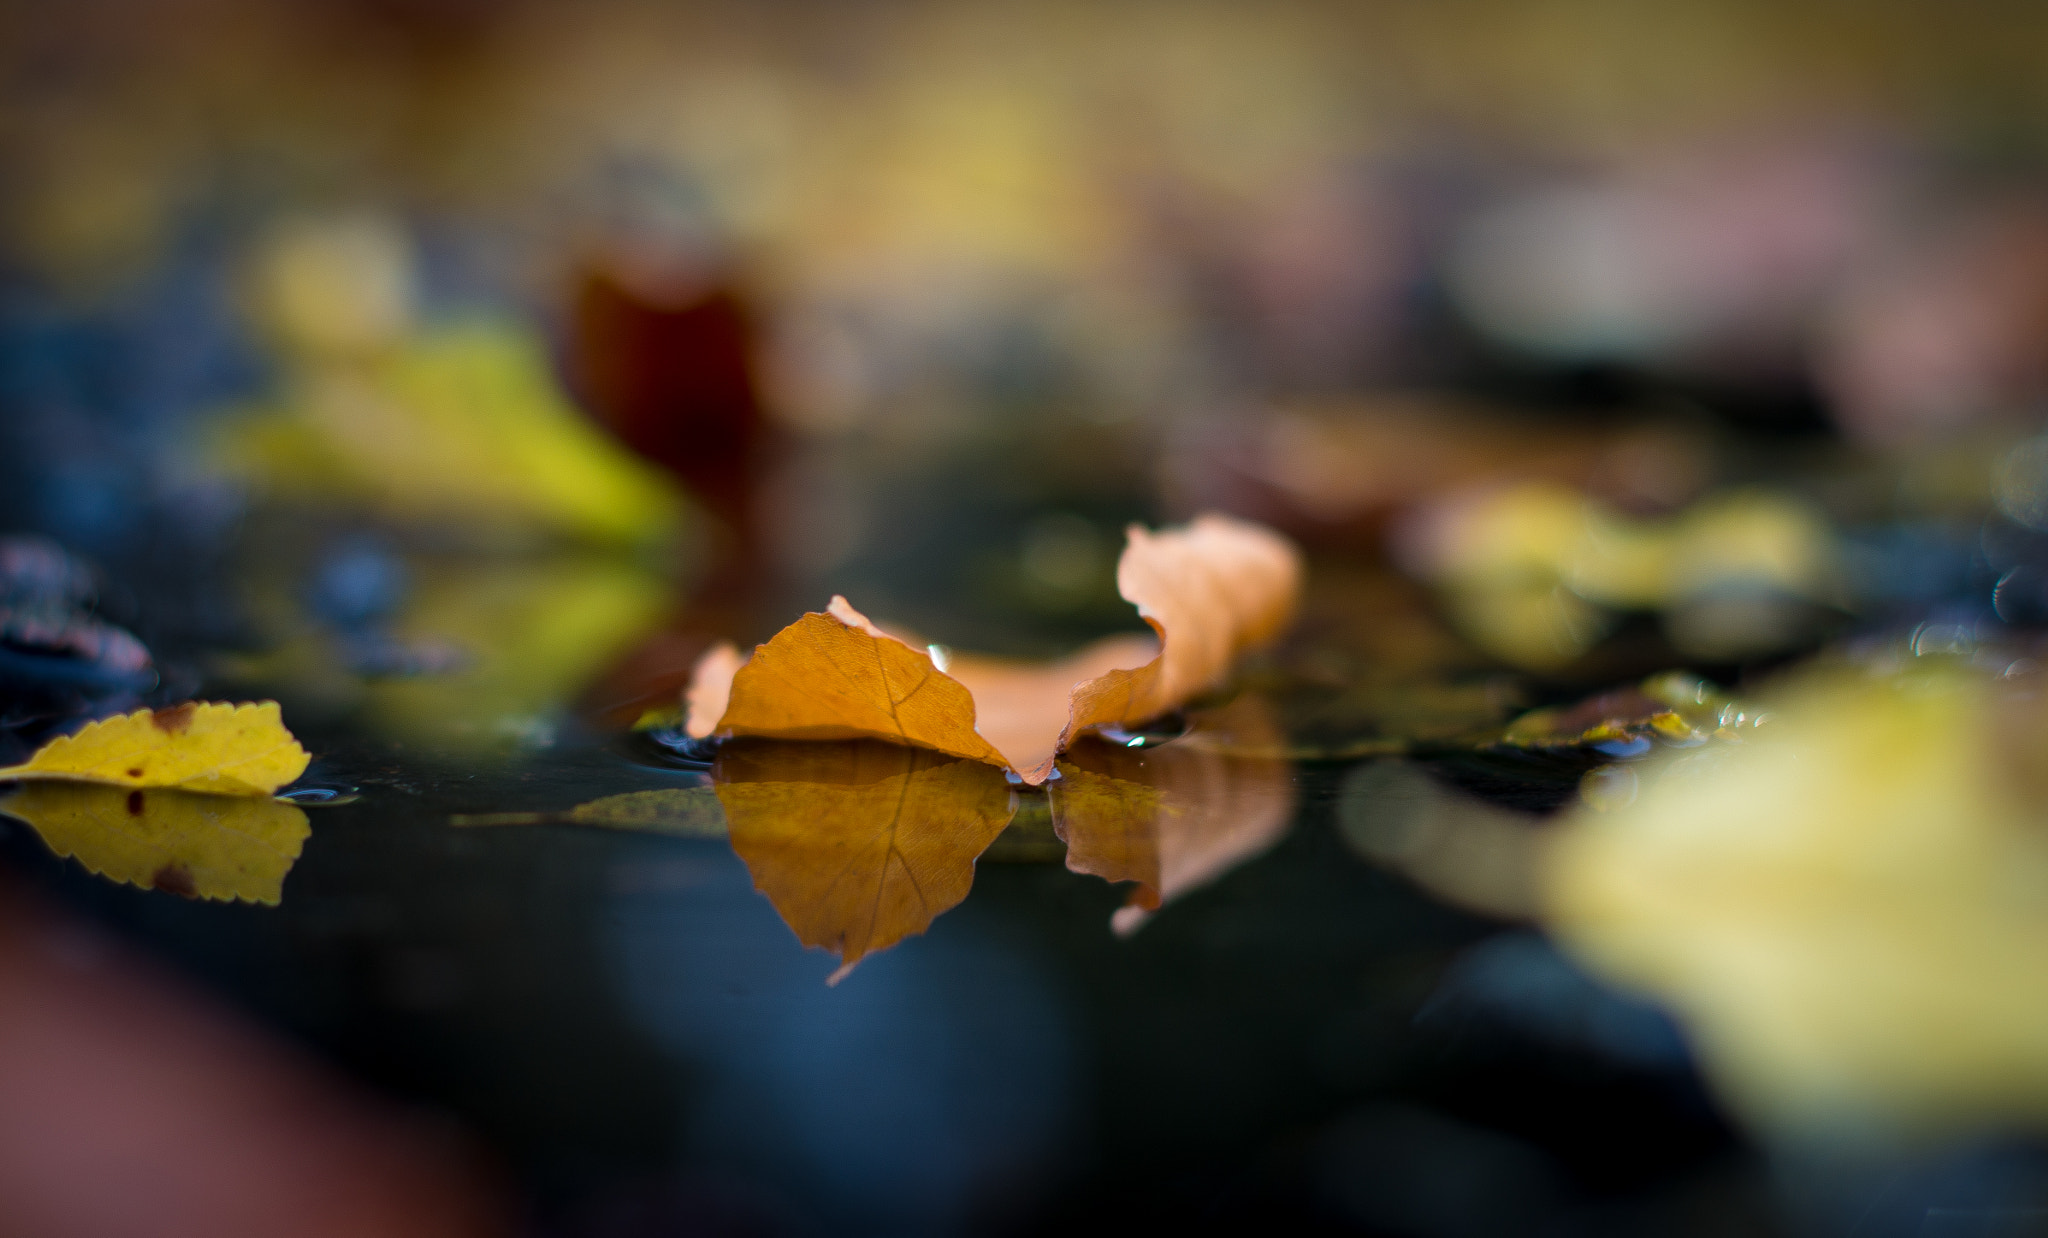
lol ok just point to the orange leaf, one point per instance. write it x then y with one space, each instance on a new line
837 676
858 845
1021 707
1209 590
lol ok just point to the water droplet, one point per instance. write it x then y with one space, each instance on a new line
320 797
1935 637
679 748
1151 735
1631 747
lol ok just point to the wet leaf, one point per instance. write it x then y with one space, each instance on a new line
859 845
200 846
1023 707
1210 591
1174 818
213 747
1673 708
837 676
689 812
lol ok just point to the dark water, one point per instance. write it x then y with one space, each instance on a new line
634 1030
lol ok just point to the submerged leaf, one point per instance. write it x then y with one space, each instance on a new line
213 747
199 846
1174 818
1210 591
688 812
859 845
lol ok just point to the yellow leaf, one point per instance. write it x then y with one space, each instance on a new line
1673 707
1847 909
201 846
212 747
859 845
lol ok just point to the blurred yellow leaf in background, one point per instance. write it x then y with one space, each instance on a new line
1847 908
465 427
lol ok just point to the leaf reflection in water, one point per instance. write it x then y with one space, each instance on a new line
858 844
200 846
1173 818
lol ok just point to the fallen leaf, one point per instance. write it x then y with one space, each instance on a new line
212 747
1023 707
1847 909
1672 708
710 688
689 812
838 676
1173 818
859 845
1210 591
199 846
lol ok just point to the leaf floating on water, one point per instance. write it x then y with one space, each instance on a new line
1022 707
688 812
1670 709
200 846
1210 591
1171 819
859 845
710 689
211 747
838 676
